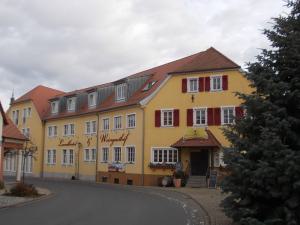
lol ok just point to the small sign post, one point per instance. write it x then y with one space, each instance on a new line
213 179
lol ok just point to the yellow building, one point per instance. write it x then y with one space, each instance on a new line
138 129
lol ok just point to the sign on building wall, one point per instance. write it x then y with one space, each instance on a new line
106 138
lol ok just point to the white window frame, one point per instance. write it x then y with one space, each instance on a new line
53 129
51 158
54 107
26 132
120 90
162 149
132 155
91 127
189 84
195 116
212 78
103 149
114 122
103 124
91 154
69 125
162 117
94 102
114 154
71 107
127 120
222 114
68 157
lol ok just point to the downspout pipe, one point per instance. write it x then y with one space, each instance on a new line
143 147
97 147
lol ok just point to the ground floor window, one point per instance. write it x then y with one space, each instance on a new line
105 151
27 163
164 155
67 157
10 162
130 154
90 155
117 155
51 156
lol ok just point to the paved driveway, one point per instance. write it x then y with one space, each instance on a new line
82 203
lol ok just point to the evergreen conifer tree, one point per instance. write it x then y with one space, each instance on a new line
264 161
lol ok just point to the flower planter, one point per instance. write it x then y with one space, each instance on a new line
177 183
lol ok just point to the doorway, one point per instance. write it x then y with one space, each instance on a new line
199 163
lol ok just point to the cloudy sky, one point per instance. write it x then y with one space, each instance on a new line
73 44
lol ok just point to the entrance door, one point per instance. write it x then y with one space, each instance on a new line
199 163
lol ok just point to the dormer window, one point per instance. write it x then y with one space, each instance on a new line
92 99
54 107
120 92
71 104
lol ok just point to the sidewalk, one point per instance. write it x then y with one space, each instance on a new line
209 199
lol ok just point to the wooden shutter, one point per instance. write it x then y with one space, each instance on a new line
157 118
184 85
225 82
176 117
217 116
201 84
210 116
207 83
239 113
189 117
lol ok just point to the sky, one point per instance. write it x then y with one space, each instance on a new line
73 44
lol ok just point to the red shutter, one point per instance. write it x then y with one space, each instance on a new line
184 85
239 113
207 83
225 82
189 117
217 116
157 118
201 84
210 116
176 117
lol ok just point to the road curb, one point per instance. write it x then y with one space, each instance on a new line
27 202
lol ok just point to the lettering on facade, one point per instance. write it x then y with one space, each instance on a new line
88 142
106 138
62 142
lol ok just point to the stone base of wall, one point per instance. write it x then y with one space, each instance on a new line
129 179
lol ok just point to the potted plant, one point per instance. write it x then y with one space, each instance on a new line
177 178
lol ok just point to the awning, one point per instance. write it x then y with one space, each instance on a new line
205 140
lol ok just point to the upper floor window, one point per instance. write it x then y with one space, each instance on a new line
69 129
200 116
192 84
90 127
118 122
105 124
71 102
92 98
167 118
131 120
216 83
54 107
121 92
52 131
227 115
117 155
130 152
15 117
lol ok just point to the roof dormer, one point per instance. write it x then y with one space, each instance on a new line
54 106
71 104
121 92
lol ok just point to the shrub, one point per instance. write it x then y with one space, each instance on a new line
23 190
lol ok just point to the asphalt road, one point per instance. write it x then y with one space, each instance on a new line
83 203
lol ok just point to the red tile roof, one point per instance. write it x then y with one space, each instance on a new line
3 115
11 131
210 141
40 96
207 60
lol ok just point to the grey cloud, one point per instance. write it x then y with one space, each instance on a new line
73 44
